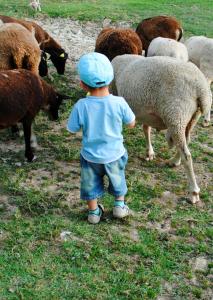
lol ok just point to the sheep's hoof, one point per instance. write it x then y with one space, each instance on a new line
206 123
31 158
150 157
195 198
34 157
21 133
34 144
173 163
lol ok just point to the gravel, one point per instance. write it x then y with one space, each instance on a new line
76 37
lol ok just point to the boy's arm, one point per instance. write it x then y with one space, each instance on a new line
128 115
73 124
131 125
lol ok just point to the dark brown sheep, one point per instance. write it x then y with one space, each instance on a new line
22 95
116 41
57 54
163 26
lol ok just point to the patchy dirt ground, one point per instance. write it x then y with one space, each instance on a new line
76 37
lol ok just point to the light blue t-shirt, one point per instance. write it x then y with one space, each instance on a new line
101 121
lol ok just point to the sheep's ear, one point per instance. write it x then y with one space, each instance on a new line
63 55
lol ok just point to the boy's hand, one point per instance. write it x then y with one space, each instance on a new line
131 125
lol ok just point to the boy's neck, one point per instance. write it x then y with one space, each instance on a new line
100 92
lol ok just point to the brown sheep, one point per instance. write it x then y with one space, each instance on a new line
117 41
163 26
57 55
18 48
22 95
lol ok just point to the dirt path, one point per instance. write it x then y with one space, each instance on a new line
76 37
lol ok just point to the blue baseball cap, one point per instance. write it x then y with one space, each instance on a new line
95 70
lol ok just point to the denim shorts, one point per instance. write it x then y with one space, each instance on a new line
92 178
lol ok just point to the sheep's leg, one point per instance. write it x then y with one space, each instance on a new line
192 124
33 139
150 154
15 130
175 161
188 165
207 117
39 5
27 122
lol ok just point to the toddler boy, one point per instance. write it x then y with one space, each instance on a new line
100 116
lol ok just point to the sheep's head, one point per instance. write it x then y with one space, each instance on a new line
43 70
55 104
52 100
59 58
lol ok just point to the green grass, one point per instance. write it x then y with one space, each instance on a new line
141 257
103 261
195 15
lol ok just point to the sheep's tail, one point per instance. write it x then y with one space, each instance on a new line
180 34
205 100
192 122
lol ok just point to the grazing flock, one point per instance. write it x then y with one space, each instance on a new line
152 72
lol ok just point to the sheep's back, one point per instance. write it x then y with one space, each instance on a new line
40 34
117 41
17 44
163 26
20 92
160 85
200 49
7 19
16 33
168 47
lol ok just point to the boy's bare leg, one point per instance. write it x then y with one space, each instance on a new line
120 198
92 204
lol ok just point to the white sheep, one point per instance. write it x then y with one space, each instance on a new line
167 94
161 46
35 4
200 49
